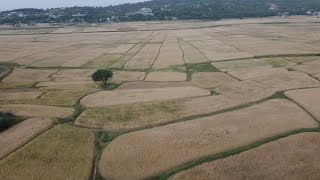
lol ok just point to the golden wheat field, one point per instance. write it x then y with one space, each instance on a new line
228 99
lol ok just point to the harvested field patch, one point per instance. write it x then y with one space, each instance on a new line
33 58
21 85
119 76
163 148
260 88
19 95
149 85
192 55
211 79
166 76
307 98
276 160
62 152
122 49
66 85
20 134
303 59
309 68
317 76
144 58
20 75
126 117
118 97
125 58
250 73
37 110
170 55
73 75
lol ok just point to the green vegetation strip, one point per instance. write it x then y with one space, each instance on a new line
231 152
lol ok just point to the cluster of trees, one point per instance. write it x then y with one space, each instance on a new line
166 9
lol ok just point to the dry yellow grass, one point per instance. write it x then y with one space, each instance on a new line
20 134
64 152
33 58
119 76
28 75
126 117
66 85
118 97
166 76
144 58
211 79
295 157
303 59
27 110
250 73
192 55
149 85
103 61
307 98
166 147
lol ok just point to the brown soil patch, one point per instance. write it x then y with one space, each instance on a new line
166 76
275 160
211 79
28 75
250 73
163 148
20 134
119 76
307 98
117 97
149 85
144 58
126 117
64 152
37 110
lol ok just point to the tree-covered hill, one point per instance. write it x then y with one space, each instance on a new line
164 10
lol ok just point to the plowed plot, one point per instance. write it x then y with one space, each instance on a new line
251 63
166 147
149 85
260 88
170 55
192 55
117 97
63 152
166 76
303 59
211 79
307 98
73 75
119 76
250 73
144 58
216 50
37 110
125 58
126 117
20 134
19 95
28 75
275 160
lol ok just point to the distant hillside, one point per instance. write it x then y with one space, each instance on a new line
165 10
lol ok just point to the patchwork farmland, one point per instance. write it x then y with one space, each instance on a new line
229 99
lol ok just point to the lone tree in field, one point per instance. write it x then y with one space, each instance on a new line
102 75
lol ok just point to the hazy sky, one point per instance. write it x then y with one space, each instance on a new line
14 4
